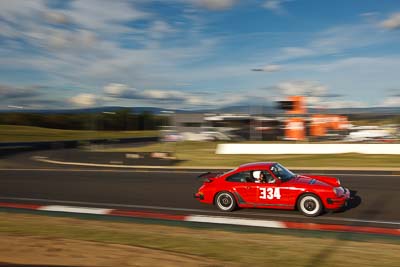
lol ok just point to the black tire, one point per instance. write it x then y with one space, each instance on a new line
310 205
225 201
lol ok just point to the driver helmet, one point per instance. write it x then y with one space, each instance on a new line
256 174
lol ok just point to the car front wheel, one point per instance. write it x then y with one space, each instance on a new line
310 205
225 201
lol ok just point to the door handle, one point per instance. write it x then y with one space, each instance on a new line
247 187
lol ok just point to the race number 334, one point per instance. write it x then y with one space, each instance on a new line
270 193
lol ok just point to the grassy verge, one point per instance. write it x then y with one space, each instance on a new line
203 154
15 133
205 245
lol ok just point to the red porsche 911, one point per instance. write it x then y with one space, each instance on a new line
270 185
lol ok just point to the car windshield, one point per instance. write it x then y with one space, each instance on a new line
282 173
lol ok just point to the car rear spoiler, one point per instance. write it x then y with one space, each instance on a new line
208 176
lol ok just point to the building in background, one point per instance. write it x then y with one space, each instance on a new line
292 121
300 125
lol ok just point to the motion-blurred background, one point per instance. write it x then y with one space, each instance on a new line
202 69
96 94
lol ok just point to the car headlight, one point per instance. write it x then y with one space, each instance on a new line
335 191
338 191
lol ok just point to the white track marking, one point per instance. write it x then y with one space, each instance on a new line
107 204
234 221
323 218
84 210
125 166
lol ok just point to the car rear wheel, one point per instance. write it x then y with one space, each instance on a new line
310 205
225 201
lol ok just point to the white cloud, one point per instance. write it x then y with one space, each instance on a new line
89 51
33 97
163 95
215 4
392 23
104 15
160 29
316 95
10 92
83 100
310 88
115 89
340 104
392 101
334 41
169 97
362 64
269 68
275 6
126 92
34 21
94 43
56 17
369 14
67 40
10 10
294 52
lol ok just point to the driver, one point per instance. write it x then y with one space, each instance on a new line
259 177
262 178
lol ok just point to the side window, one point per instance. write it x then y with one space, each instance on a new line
276 172
263 176
240 177
268 177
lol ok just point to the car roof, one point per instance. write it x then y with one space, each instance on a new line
256 165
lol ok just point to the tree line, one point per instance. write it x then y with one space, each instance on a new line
120 120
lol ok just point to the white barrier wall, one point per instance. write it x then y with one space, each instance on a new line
393 149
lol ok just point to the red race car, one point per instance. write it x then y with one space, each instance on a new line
270 185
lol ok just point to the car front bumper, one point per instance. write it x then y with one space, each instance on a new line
199 196
338 202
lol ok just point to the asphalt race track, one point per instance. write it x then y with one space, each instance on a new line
376 202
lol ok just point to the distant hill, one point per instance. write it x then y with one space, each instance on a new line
153 110
273 110
247 109
371 110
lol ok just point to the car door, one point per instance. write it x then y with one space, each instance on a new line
244 190
272 193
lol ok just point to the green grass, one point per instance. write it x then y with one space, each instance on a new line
240 248
203 154
381 122
15 133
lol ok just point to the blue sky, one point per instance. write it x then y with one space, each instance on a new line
198 53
